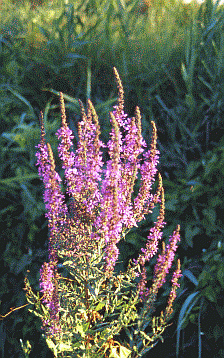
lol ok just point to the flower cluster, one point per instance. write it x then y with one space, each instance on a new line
48 284
86 231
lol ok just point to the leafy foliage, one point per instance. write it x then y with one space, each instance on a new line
198 195
204 307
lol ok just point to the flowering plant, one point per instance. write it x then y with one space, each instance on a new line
89 309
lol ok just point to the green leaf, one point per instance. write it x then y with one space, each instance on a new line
204 278
100 306
35 313
184 72
124 352
215 201
185 310
113 353
74 101
23 99
205 83
82 328
220 276
190 233
191 168
210 293
45 310
64 347
210 214
190 101
191 277
171 204
67 263
52 346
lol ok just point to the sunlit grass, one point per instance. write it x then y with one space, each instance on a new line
121 25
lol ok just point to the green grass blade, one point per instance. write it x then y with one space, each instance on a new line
191 277
183 314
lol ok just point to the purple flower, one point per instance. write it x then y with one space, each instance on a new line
48 285
53 197
164 261
83 169
148 172
143 290
100 207
176 275
155 234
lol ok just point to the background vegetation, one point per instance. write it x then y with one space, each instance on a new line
170 57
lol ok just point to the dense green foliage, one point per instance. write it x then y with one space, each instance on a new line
170 57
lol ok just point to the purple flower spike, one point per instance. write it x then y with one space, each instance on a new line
164 261
53 197
148 172
176 275
48 284
101 208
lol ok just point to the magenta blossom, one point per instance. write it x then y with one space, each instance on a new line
101 206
